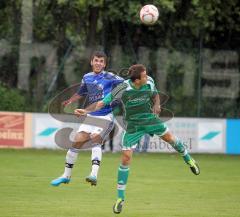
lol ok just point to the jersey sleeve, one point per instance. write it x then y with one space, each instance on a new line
118 91
82 89
115 94
107 99
115 79
152 84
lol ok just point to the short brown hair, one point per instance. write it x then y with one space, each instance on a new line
99 54
135 71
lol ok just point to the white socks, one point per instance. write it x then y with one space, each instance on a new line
71 158
96 159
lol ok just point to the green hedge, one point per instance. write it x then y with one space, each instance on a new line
11 99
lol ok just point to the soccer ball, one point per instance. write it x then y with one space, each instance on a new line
149 14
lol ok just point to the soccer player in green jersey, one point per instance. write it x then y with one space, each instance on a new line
141 105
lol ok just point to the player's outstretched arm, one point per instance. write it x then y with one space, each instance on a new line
72 99
91 108
94 106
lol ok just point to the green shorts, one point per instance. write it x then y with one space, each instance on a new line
133 134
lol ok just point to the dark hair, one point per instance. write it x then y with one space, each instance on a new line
99 54
135 71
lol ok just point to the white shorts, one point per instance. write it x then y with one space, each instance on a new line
102 125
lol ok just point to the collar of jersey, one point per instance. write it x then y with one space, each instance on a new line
131 84
100 73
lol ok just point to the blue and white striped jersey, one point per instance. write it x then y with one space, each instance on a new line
97 86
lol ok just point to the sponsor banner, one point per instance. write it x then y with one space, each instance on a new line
233 136
11 129
211 136
45 128
198 135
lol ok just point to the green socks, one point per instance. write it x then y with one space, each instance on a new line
122 180
180 148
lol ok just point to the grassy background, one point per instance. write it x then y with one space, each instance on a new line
160 185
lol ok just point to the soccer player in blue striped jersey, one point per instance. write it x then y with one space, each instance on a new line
95 85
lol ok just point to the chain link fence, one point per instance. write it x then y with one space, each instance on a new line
44 50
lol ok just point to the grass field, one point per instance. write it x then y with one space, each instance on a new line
160 185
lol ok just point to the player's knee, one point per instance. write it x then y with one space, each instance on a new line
77 145
168 137
81 137
126 160
96 138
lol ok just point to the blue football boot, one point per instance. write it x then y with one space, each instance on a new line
60 180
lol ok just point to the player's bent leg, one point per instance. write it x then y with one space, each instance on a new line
178 145
71 158
80 139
